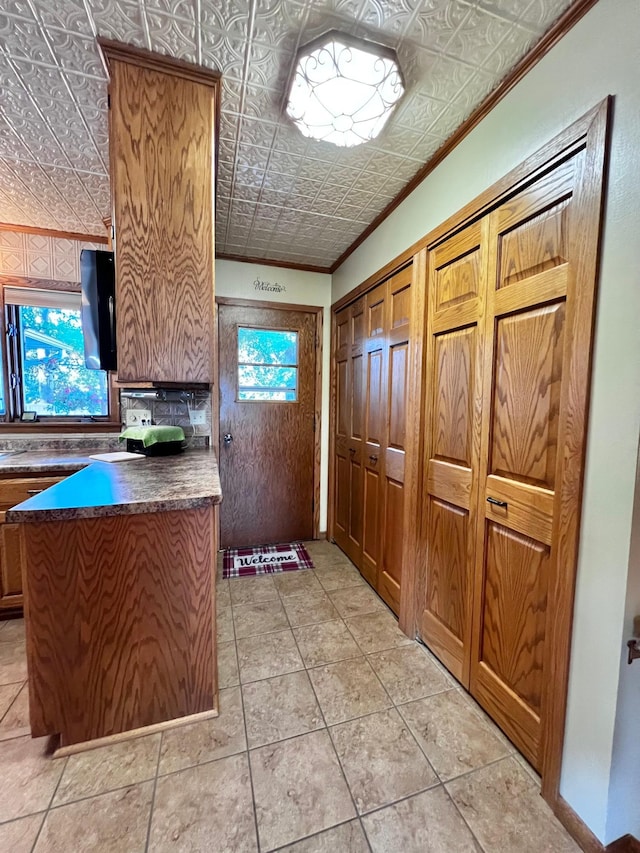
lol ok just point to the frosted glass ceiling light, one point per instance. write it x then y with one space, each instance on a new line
344 89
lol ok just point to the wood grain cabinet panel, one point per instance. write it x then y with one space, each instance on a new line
162 128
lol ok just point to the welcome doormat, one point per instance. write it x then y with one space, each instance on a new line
265 560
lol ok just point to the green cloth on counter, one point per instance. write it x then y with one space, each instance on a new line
149 435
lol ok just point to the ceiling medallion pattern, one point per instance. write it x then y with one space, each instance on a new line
280 195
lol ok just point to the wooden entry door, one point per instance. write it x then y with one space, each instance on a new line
267 366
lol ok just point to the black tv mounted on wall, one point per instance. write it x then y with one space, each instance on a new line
97 275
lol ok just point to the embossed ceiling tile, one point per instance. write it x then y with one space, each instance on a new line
260 102
257 132
172 36
278 22
66 15
41 80
447 78
246 193
250 177
305 188
477 37
508 53
269 67
76 53
19 8
222 53
314 170
323 151
343 176
352 211
20 37
289 138
12 262
510 10
284 163
10 143
12 240
273 197
276 181
227 149
178 8
425 148
436 21
475 90
541 13
228 124
232 16
391 16
230 94
252 157
418 111
120 20
89 91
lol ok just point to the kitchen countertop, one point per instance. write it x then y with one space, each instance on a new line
44 461
188 480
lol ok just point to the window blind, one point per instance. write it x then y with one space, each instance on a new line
64 299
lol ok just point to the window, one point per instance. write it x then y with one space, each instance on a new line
267 365
45 357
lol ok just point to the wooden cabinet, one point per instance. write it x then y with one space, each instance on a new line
13 491
162 150
371 348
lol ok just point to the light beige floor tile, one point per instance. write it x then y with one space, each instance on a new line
309 609
321 546
223 593
228 675
299 789
357 600
325 643
205 808
8 693
251 590
453 736
224 624
296 583
334 576
268 655
381 760
263 617
505 811
110 823
426 823
13 659
15 722
346 838
29 777
107 768
197 743
348 689
18 835
377 631
522 761
279 708
408 673
14 631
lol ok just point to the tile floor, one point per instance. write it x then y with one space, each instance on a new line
336 734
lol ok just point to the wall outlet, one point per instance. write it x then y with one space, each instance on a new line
138 417
197 417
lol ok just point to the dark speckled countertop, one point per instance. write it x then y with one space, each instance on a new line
188 480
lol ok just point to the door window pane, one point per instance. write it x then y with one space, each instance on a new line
55 380
267 365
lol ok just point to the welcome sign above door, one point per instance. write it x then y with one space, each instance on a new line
267 559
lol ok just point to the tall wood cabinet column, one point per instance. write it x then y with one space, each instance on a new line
162 151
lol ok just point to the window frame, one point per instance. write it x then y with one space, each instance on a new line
254 364
12 367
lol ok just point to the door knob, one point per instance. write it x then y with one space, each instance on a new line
227 438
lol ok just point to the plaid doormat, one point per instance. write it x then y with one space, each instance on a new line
265 560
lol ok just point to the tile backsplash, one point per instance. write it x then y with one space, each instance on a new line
172 411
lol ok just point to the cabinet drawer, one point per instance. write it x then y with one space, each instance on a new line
15 491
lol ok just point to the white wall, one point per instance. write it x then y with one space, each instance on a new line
600 56
237 279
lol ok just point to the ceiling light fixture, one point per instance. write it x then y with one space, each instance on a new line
344 89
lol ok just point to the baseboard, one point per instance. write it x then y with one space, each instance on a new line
626 844
581 833
577 828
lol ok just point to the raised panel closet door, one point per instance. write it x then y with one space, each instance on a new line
375 356
398 317
527 353
355 430
457 286
342 492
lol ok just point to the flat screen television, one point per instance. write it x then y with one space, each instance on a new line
97 275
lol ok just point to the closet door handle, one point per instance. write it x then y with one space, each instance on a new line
352 451
373 459
496 502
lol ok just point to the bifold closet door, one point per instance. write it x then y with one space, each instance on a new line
526 438
348 478
398 301
453 377
375 394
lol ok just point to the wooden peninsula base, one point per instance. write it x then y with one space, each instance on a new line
120 619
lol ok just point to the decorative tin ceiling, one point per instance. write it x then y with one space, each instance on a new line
280 196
